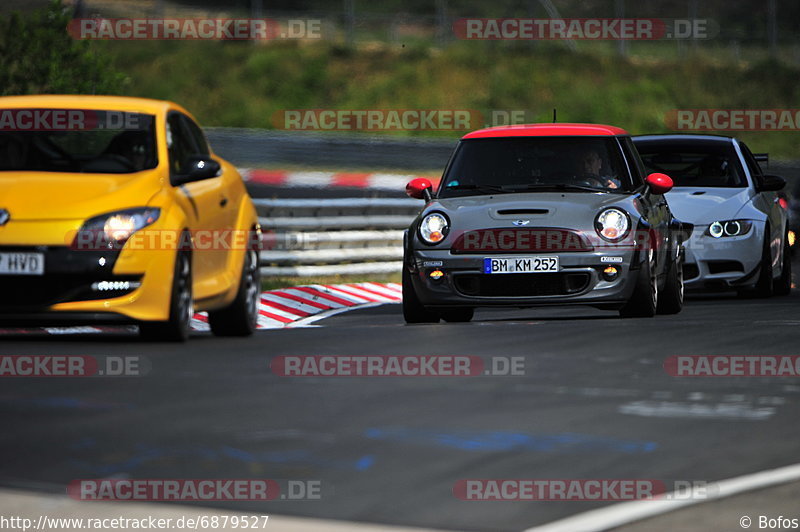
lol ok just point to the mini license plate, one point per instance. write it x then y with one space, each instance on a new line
541 264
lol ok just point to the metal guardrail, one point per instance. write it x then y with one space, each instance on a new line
268 148
351 236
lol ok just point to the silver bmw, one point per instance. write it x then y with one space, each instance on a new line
544 214
740 239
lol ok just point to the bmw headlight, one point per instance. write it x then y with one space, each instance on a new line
725 228
113 229
612 224
433 228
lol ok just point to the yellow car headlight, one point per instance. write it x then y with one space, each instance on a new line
112 230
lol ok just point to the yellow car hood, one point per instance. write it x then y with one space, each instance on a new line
69 196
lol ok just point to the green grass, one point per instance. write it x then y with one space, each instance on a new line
243 85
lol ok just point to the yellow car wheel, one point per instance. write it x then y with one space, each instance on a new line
181 311
240 317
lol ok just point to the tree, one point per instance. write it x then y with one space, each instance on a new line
38 56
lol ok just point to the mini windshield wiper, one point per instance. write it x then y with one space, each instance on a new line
481 188
559 186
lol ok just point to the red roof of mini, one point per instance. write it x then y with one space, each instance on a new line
546 130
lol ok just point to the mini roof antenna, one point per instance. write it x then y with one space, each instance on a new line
554 115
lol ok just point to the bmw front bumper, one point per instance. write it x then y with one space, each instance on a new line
720 263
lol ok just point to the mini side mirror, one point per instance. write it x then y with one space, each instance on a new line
420 188
659 183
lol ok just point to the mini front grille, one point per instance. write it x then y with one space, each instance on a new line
522 284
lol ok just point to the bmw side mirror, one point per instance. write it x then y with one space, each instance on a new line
772 183
420 188
197 168
659 183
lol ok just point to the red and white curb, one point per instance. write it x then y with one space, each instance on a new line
300 306
285 178
296 306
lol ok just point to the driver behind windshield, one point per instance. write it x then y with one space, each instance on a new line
592 169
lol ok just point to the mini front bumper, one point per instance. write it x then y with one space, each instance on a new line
727 262
579 281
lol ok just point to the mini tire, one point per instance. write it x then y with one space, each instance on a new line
644 301
670 300
413 310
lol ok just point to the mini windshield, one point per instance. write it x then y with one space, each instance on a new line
525 164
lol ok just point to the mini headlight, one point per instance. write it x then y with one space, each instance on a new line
725 228
434 228
612 224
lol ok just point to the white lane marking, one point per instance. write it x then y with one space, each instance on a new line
307 322
71 330
265 322
667 409
624 513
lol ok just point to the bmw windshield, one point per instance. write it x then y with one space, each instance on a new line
694 164
525 164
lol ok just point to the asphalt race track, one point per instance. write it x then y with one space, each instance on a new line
594 402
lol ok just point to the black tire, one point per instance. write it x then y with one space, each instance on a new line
240 318
670 301
413 310
763 286
181 306
783 284
644 301
457 314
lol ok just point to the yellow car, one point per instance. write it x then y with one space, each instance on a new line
116 210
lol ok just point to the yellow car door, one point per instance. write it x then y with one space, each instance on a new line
205 205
